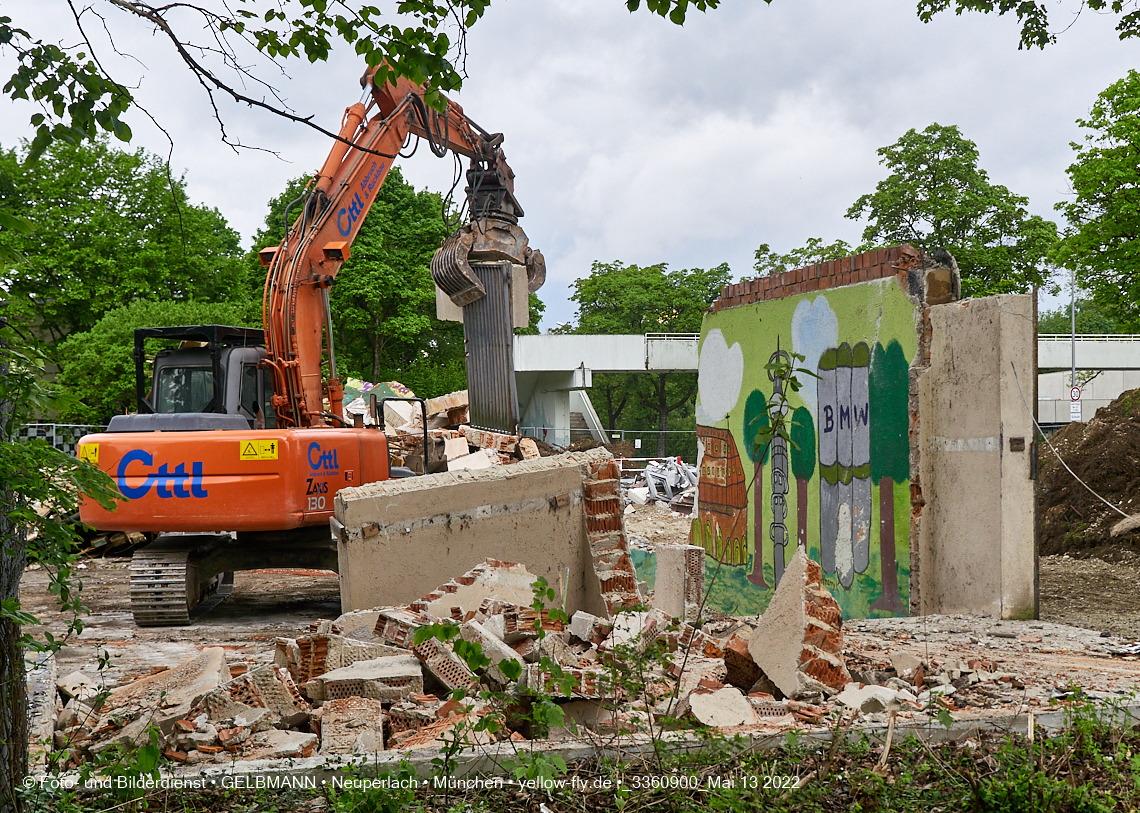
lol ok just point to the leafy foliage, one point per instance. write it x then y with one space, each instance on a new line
1091 318
109 227
814 251
938 199
1104 215
37 476
98 366
1034 16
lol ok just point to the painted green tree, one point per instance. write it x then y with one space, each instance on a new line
755 419
890 457
803 468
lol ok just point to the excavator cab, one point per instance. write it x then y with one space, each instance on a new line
212 380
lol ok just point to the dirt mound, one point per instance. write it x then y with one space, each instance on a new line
1105 453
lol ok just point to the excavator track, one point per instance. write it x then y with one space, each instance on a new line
165 589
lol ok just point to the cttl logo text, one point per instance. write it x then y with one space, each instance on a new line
177 483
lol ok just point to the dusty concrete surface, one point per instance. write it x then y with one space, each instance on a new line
530 512
976 540
263 606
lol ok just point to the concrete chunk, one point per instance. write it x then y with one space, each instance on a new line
186 683
476 460
390 678
800 634
722 708
455 448
493 648
680 580
351 725
269 687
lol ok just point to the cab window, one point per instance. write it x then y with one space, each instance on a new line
183 389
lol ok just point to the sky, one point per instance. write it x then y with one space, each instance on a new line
639 141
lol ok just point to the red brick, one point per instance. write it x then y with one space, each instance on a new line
608 522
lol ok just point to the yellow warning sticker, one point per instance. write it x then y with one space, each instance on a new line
257 450
89 453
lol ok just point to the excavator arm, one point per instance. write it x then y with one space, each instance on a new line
302 268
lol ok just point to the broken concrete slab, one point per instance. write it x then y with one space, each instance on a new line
680 580
351 725
481 459
455 448
396 626
318 654
904 663
528 448
868 699
492 441
505 583
279 744
800 635
266 687
78 685
390 678
493 648
444 665
445 403
185 684
722 708
529 512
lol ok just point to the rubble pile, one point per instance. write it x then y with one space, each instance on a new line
671 481
453 443
1102 452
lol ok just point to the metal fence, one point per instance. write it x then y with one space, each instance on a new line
63 436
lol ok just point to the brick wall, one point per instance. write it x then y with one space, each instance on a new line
878 264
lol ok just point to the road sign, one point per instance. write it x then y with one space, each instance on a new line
1075 393
1075 412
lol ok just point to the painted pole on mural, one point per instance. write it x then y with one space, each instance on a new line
777 411
890 457
803 467
755 419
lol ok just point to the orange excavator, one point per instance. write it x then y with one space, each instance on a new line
234 459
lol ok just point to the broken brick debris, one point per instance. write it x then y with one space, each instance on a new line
798 642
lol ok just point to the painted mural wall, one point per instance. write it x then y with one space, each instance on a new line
840 489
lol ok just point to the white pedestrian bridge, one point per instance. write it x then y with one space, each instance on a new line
552 372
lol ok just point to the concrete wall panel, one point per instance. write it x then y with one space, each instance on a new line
403 538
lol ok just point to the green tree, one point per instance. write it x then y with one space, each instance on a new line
890 456
757 446
813 252
33 475
1036 30
1103 238
98 365
1091 318
109 227
939 200
77 98
617 298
